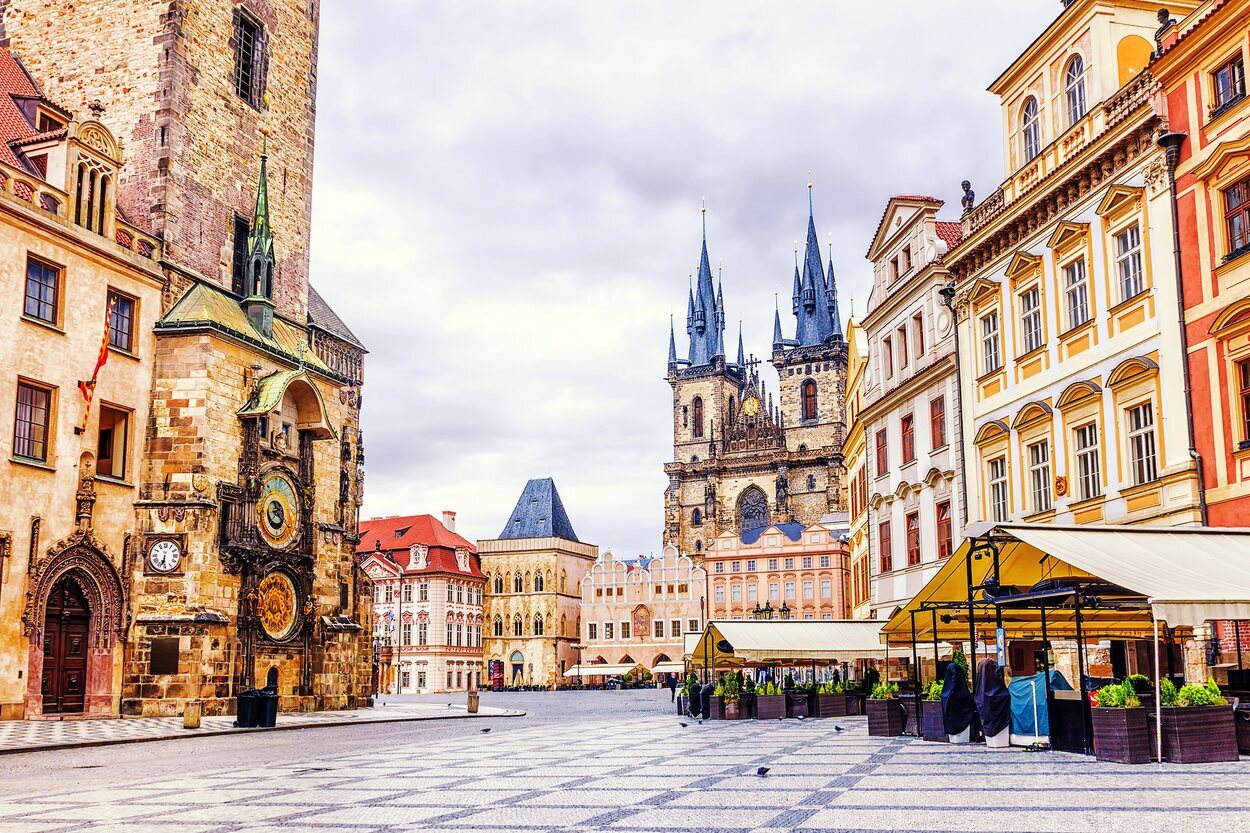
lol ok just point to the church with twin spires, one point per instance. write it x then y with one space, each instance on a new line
742 458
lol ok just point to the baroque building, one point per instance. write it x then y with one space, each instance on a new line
741 460
856 456
534 573
1069 346
237 566
639 611
910 404
427 604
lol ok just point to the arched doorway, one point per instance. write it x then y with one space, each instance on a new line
67 623
518 668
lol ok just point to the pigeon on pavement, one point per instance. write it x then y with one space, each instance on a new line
762 771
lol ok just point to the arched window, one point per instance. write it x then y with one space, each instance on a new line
499 583
696 518
538 626
498 626
518 584
1074 88
811 483
1031 129
564 577
518 627
752 509
809 399
539 584
697 407
733 411
698 546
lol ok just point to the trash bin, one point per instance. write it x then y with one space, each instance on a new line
266 708
246 713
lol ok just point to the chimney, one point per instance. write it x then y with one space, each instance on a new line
449 520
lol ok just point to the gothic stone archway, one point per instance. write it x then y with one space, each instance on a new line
752 509
76 577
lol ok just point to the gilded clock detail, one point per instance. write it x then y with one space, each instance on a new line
277 511
276 606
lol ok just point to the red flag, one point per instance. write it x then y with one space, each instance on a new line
88 388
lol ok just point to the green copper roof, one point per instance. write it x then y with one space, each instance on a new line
207 306
269 393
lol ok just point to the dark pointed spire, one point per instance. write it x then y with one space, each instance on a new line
835 317
778 338
258 274
706 336
672 344
742 356
815 322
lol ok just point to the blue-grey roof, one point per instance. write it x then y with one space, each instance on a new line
792 530
815 296
539 513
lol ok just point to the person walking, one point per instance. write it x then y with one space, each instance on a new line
672 686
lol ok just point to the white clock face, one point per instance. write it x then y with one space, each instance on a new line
164 556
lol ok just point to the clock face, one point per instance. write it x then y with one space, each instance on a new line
164 555
276 606
277 511
751 406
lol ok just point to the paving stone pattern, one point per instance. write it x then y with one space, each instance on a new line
650 774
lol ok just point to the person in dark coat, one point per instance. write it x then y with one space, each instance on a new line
695 705
958 708
871 678
992 697
672 686
706 698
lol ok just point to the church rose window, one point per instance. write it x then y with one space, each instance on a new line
753 510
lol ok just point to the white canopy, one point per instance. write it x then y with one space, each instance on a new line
1189 574
758 641
690 643
601 670
668 668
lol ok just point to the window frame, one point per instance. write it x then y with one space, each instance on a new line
1087 461
907 431
1142 440
942 521
885 554
996 480
912 527
1135 280
1041 493
937 421
810 402
47 425
1071 288
57 289
1032 329
1236 243
1241 377
1236 88
991 343
249 41
882 452
1031 128
127 415
697 414
1075 98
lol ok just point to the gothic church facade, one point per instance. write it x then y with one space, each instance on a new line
743 460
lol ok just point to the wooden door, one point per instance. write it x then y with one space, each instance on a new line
66 625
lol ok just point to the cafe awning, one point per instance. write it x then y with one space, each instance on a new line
690 643
668 668
601 670
782 641
1183 575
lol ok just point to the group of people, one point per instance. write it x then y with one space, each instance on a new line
989 706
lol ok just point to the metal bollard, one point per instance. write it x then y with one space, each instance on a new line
191 714
473 701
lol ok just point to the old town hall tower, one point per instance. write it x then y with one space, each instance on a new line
742 460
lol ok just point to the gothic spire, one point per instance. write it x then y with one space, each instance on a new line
813 305
742 356
707 324
672 344
778 338
258 274
833 298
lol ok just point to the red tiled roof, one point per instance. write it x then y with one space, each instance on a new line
918 197
396 535
951 233
14 81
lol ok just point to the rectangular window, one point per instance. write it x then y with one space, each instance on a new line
43 283
459 594
772 563
1039 476
908 425
1243 377
807 562
789 564
448 642
1143 459
1031 319
390 593
893 268
249 48
998 489
720 592
451 593
937 421
752 593
720 566
1088 468
826 588
750 565
913 539
789 590
991 358
944 542
906 259
121 321
423 633
674 628
889 358
164 655
113 442
809 591
423 592
735 593
1076 290
824 561
886 556
1128 262
407 592
592 630
917 323
1228 85
735 566
242 229
659 628
1237 217
692 626
904 359
774 591
881 453
405 634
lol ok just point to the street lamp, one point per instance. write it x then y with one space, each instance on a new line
766 612
579 647
785 611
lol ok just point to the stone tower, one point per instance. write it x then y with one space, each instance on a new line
187 86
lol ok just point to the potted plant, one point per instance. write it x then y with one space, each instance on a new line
853 695
716 703
798 702
829 700
730 693
932 728
1197 724
885 713
1121 730
770 701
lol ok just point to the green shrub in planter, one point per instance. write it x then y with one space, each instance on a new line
1119 696
934 691
1200 695
884 691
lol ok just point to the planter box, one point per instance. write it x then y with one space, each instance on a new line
1199 735
681 706
885 718
1122 736
854 703
746 706
831 705
910 726
770 706
797 705
732 710
931 725
1241 717
716 708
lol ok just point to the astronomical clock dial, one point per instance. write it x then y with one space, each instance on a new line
277 511
164 555
751 405
276 605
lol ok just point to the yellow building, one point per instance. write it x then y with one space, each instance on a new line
1067 300
855 452
534 573
69 472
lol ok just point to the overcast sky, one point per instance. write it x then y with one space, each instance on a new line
507 211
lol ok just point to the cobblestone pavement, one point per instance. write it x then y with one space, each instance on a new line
621 762
28 735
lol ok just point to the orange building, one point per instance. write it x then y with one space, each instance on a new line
1201 73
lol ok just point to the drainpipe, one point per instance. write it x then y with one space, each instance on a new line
948 298
1171 143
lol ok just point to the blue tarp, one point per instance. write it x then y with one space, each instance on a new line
1024 692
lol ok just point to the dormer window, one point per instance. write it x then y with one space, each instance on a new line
46 123
1074 89
1031 129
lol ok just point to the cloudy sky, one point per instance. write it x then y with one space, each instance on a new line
507 211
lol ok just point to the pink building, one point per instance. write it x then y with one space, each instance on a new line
427 604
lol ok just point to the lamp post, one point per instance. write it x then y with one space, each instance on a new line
785 611
579 647
763 613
